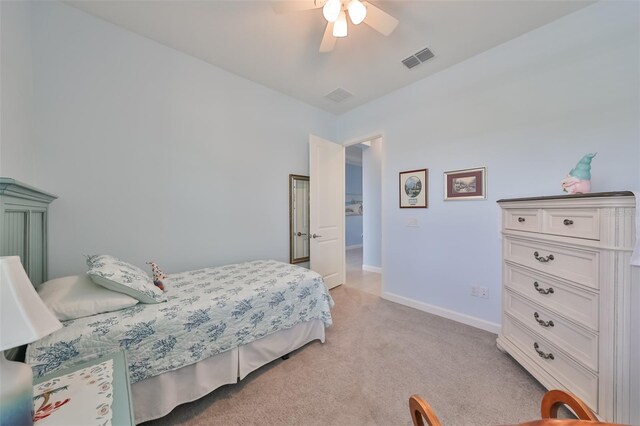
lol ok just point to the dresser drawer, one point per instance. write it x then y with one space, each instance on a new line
576 379
578 223
578 304
522 219
581 344
579 266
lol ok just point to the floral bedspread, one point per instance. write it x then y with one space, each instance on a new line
208 311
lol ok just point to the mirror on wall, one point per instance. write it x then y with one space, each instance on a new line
298 218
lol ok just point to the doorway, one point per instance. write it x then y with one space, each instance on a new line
363 178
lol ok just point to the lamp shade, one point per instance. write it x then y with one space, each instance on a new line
340 26
24 318
331 10
357 11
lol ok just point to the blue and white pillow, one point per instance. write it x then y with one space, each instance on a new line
114 274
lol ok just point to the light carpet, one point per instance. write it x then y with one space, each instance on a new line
376 355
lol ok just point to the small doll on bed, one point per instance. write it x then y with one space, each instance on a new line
158 275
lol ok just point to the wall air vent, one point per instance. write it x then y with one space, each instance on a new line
418 58
339 95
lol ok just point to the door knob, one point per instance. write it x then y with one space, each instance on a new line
316 236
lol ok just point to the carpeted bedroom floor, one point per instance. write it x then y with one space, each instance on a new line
376 355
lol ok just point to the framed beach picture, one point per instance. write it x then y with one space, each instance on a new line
469 184
413 188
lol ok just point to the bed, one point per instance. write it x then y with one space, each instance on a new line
217 326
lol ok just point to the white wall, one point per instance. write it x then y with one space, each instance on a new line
157 155
16 99
371 196
527 110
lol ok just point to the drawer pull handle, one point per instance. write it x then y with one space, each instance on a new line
541 322
542 258
521 219
567 222
542 290
542 354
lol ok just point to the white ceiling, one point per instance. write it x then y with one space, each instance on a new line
281 51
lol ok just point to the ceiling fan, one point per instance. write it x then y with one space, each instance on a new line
336 12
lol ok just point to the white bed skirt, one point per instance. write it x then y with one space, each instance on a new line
157 396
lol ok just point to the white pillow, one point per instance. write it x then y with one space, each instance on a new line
77 296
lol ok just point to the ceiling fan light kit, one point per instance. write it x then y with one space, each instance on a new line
333 9
336 11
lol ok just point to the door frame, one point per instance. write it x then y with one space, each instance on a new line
360 139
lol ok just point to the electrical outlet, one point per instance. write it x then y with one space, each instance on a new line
483 292
474 290
412 222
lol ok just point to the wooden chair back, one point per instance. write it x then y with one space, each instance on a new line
420 409
553 399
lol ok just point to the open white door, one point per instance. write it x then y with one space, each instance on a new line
326 195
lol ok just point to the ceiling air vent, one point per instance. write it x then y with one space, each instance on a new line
418 58
424 55
339 95
411 62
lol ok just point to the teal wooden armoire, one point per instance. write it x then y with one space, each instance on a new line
23 226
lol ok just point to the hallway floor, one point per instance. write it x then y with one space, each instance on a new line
370 282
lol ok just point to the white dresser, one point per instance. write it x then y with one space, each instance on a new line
571 300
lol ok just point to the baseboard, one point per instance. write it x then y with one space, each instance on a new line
353 247
445 313
375 269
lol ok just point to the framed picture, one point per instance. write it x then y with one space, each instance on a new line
413 188
469 184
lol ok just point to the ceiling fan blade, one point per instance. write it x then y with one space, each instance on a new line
281 6
328 40
379 20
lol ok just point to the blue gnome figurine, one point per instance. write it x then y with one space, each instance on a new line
578 181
